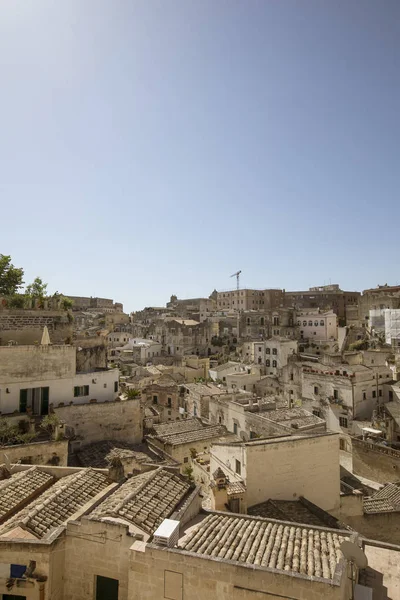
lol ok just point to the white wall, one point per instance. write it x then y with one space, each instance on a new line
62 390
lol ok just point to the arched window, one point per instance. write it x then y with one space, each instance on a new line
310 323
304 323
268 362
267 350
322 323
315 323
274 363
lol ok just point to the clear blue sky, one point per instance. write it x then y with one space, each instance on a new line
151 147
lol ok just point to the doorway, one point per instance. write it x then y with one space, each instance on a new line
106 588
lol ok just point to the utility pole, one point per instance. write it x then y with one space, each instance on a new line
237 275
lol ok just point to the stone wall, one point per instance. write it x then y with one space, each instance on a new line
383 527
118 421
167 573
37 453
95 548
21 554
91 354
36 363
375 462
26 326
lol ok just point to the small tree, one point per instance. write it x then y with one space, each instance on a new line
11 434
189 474
50 424
67 303
37 289
132 393
10 276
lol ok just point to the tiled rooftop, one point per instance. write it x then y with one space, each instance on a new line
18 489
236 487
177 427
57 504
98 454
204 390
393 408
145 500
205 433
269 544
385 501
291 510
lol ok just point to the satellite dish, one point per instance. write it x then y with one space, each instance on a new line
354 554
7 462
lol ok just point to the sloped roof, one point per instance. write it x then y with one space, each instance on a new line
205 433
20 488
236 487
393 408
294 511
98 454
294 549
57 504
145 500
385 500
225 366
181 426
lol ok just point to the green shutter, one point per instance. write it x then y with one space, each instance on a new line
23 399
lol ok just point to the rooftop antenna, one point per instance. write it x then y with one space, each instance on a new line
237 275
355 555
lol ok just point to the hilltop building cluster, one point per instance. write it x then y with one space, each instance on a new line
245 444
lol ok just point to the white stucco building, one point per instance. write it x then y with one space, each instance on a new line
33 377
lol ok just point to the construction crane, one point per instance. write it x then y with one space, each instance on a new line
237 275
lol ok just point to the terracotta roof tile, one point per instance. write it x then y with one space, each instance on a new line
145 500
57 504
269 544
384 501
205 433
20 488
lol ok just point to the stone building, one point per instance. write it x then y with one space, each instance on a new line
195 398
378 298
102 304
324 298
69 534
378 516
267 469
32 377
249 299
42 560
249 417
184 336
219 372
317 326
164 394
180 439
272 354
